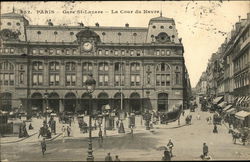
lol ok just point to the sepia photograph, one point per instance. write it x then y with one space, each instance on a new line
124 80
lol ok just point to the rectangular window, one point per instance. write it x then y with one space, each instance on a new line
158 80
74 52
34 51
41 51
68 80
138 53
162 52
57 66
132 52
52 79
57 80
168 80
132 80
117 80
138 79
1 50
12 50
106 80
51 51
116 52
67 52
73 83
40 79
177 78
106 52
12 79
58 52
35 79
157 52
123 52
101 67
40 66
163 79
101 80
100 52
1 79
106 68
6 79
84 78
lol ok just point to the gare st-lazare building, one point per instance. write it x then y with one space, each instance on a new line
143 65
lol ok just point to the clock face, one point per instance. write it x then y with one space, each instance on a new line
87 46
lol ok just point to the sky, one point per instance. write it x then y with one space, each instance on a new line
202 25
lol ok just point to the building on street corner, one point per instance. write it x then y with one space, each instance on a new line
143 65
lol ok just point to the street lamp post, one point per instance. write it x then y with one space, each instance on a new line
46 100
90 84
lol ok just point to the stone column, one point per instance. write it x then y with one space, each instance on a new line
62 73
46 73
61 105
79 74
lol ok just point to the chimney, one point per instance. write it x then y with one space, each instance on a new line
97 24
127 25
237 26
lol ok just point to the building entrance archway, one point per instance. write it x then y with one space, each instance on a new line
117 101
53 102
85 103
70 102
5 101
103 99
162 102
135 102
37 102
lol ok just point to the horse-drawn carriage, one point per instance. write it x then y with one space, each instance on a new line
171 116
217 119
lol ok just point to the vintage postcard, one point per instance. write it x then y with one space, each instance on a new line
124 81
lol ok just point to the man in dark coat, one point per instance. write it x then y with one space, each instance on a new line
215 130
205 150
167 156
170 146
43 146
108 157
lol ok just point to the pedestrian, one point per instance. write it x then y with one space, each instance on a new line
205 150
167 156
132 131
108 157
215 129
117 124
198 116
100 139
234 134
170 146
117 158
63 133
68 130
30 127
43 146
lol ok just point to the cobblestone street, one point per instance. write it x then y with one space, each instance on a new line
144 145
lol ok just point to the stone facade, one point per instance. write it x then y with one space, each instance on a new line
145 64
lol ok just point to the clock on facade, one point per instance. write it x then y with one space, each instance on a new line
87 46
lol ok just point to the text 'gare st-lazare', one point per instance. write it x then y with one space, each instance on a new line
144 65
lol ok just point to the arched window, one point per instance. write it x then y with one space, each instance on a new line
37 73
70 66
162 74
54 73
6 73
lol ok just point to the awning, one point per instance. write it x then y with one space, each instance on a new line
243 98
227 107
231 111
239 100
222 104
217 99
242 114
